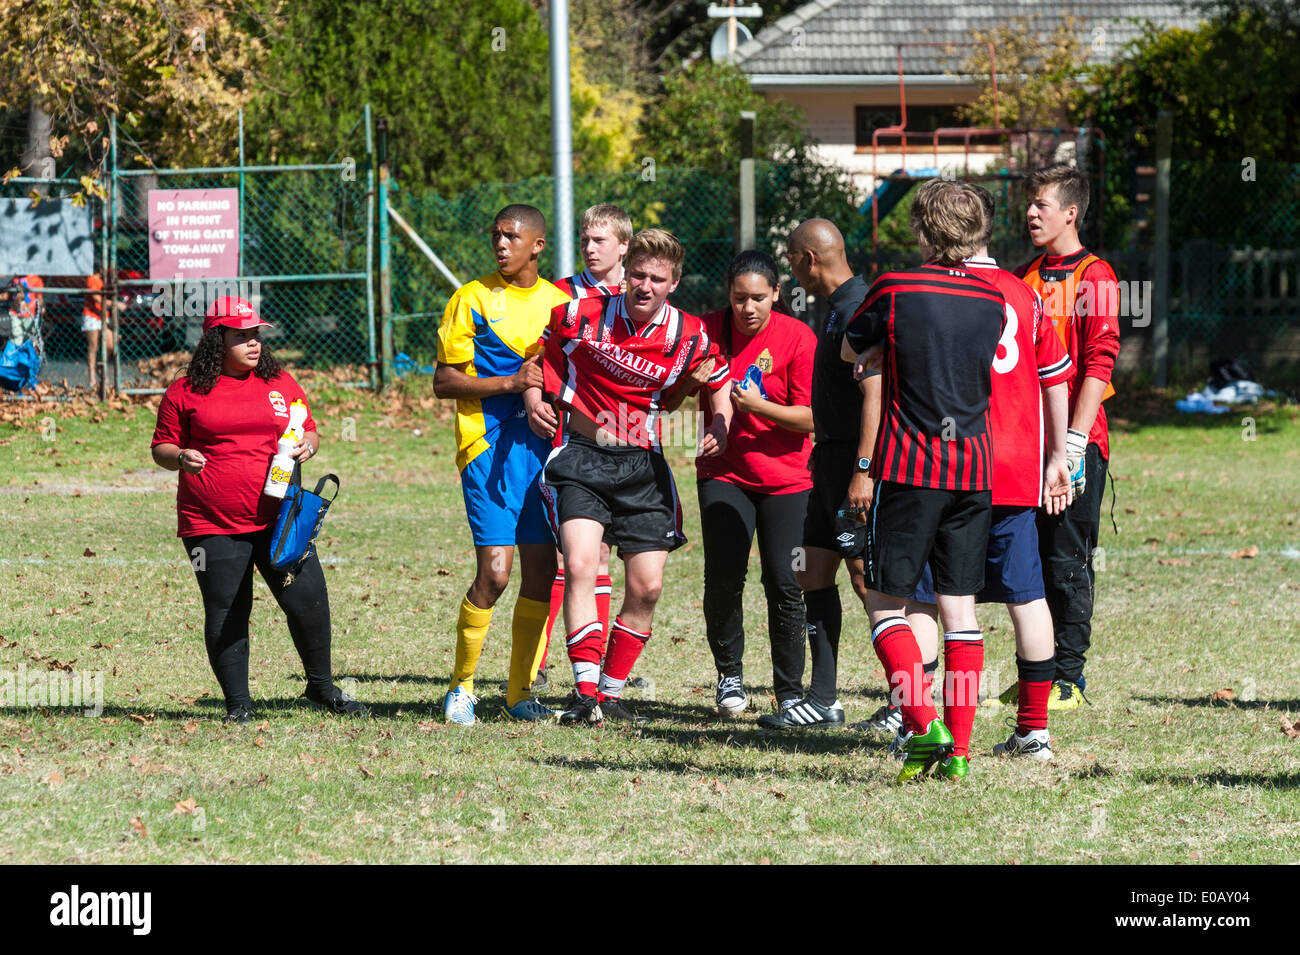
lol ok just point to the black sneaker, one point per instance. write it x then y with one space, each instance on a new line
805 714
238 714
886 720
582 710
337 702
613 709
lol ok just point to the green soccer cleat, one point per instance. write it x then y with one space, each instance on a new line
924 751
954 767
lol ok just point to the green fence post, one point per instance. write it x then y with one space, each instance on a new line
110 280
385 257
371 361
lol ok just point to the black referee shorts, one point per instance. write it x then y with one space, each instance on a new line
627 489
832 469
910 525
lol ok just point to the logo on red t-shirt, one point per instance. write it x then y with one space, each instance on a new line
278 403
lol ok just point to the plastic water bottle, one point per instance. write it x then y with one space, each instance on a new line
277 479
754 376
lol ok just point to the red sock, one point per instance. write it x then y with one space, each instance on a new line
586 647
963 660
625 645
1035 689
895 645
604 586
557 607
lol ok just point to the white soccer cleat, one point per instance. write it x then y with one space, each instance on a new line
1036 744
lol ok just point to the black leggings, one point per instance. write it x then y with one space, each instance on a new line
223 564
728 517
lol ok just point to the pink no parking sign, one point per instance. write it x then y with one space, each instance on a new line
193 233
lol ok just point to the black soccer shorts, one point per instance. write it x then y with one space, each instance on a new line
629 490
910 525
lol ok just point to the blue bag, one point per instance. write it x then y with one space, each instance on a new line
301 514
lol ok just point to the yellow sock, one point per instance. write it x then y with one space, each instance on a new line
471 631
528 637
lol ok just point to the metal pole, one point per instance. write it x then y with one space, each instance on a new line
103 299
370 253
110 280
1160 333
385 258
561 138
747 217
239 269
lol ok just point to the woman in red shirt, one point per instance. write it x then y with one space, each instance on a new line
760 481
219 426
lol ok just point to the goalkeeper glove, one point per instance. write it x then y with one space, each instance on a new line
1076 450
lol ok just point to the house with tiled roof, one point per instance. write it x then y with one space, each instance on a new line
839 61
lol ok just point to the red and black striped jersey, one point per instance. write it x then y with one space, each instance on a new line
585 285
597 362
940 327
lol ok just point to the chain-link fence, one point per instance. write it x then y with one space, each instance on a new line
295 240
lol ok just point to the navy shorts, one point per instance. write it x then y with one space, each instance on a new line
1013 573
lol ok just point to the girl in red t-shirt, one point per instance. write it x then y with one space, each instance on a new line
219 426
760 482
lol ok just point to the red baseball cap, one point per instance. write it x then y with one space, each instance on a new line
232 312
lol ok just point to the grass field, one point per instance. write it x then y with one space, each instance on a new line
1155 770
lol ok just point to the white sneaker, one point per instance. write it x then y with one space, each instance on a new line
458 707
731 698
1035 744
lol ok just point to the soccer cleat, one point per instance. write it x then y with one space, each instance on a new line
336 702
238 714
804 714
458 707
924 751
731 697
612 709
886 720
582 710
898 745
954 767
1008 697
1036 744
1065 696
530 711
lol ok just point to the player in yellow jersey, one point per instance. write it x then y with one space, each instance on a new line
487 356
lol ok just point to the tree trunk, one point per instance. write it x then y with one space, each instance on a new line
36 159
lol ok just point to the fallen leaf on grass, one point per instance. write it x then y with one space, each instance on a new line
310 760
1227 693
259 742
142 718
138 825
777 793
1173 562
102 646
1245 552
365 772
55 778
186 807
263 726
1290 729
87 553
191 727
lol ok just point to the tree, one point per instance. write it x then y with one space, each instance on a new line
173 72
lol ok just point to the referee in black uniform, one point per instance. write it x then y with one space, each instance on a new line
844 436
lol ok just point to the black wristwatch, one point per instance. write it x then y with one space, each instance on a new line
863 465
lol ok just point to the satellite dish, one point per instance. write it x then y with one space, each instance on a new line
718 45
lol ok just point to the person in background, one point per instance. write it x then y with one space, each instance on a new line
92 323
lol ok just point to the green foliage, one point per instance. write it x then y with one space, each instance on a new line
1231 84
697 122
464 87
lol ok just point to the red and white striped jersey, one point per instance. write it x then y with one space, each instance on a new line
1030 357
585 285
598 362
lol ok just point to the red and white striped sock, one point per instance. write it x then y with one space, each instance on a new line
586 645
557 607
896 646
963 660
604 587
625 645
